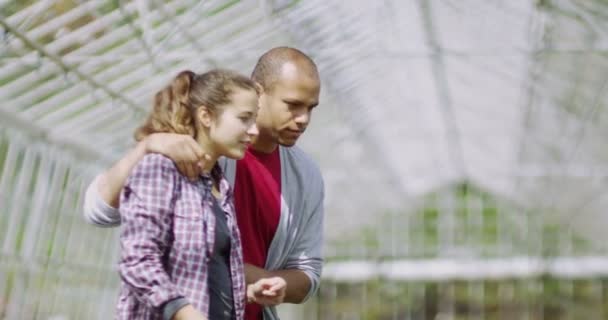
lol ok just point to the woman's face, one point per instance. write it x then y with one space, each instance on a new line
233 129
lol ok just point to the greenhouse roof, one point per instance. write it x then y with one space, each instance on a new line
416 95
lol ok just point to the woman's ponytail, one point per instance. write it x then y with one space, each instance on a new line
176 105
172 110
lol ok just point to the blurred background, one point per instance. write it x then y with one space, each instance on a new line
463 145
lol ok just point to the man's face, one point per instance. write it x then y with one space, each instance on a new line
285 109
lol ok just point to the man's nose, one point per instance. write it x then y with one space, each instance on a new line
302 118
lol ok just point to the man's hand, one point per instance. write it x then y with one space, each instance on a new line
267 291
182 149
188 312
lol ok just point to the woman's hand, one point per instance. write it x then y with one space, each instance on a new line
267 291
188 312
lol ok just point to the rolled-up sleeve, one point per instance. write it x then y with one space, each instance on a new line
146 210
96 211
307 256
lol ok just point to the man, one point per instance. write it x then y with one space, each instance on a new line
278 190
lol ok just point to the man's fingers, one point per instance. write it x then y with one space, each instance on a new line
197 151
204 159
197 156
192 150
193 156
182 149
192 171
188 170
181 167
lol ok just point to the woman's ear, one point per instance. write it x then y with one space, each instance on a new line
204 116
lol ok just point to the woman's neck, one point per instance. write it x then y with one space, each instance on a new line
207 148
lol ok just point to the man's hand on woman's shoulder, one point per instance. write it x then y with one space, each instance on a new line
182 149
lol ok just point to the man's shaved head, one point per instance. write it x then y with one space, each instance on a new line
270 65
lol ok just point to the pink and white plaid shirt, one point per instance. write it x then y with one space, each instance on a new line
167 235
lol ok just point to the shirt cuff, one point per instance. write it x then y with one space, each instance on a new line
171 307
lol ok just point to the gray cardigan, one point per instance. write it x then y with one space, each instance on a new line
298 240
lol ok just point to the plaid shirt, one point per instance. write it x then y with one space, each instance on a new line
167 235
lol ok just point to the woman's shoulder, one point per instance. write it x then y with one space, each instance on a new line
156 158
154 176
155 162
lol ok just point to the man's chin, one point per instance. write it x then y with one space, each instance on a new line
288 142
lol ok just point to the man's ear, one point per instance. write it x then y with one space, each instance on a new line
259 88
261 94
204 116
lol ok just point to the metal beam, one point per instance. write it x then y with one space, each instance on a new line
81 150
453 133
69 69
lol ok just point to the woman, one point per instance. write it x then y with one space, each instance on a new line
177 232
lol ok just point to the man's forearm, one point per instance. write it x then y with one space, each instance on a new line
111 182
298 283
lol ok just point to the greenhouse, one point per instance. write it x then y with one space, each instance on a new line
463 147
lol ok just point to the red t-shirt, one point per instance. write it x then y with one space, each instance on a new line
257 200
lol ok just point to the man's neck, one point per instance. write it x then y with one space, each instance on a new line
264 144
